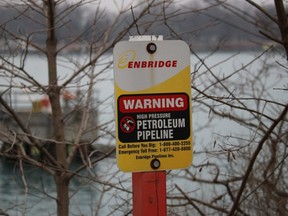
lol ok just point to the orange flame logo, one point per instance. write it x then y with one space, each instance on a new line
125 57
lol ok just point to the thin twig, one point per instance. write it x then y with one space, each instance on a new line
26 190
134 20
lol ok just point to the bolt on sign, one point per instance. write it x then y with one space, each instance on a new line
153 105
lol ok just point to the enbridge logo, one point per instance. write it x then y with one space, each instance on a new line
127 60
126 57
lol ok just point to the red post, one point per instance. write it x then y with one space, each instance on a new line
149 193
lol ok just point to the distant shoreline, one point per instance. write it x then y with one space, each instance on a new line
196 46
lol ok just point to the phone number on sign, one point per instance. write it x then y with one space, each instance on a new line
169 149
175 143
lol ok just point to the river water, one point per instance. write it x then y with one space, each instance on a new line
38 196
88 196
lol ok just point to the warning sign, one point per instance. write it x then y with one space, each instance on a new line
153 105
157 117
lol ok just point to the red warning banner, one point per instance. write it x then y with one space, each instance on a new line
153 103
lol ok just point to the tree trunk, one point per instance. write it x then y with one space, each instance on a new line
62 185
54 90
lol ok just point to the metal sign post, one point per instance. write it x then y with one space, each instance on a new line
153 115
